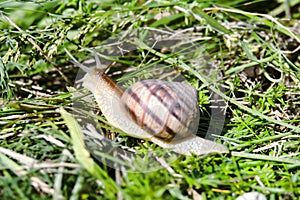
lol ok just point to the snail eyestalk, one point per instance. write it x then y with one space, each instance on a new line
98 62
86 69
81 66
76 63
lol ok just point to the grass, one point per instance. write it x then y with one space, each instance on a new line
252 47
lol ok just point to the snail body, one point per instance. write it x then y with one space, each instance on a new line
165 113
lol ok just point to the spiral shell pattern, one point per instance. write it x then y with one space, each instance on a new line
166 110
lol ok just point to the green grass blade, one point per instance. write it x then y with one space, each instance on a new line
211 21
265 157
82 155
166 20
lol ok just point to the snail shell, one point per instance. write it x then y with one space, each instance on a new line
166 110
165 113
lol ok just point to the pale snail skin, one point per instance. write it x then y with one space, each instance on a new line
178 128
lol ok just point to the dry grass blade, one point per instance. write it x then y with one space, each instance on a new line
36 182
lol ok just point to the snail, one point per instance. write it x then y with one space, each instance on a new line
165 113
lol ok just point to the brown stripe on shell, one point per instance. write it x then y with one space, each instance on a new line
166 134
178 100
188 102
144 107
170 98
181 89
167 84
154 92
132 113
